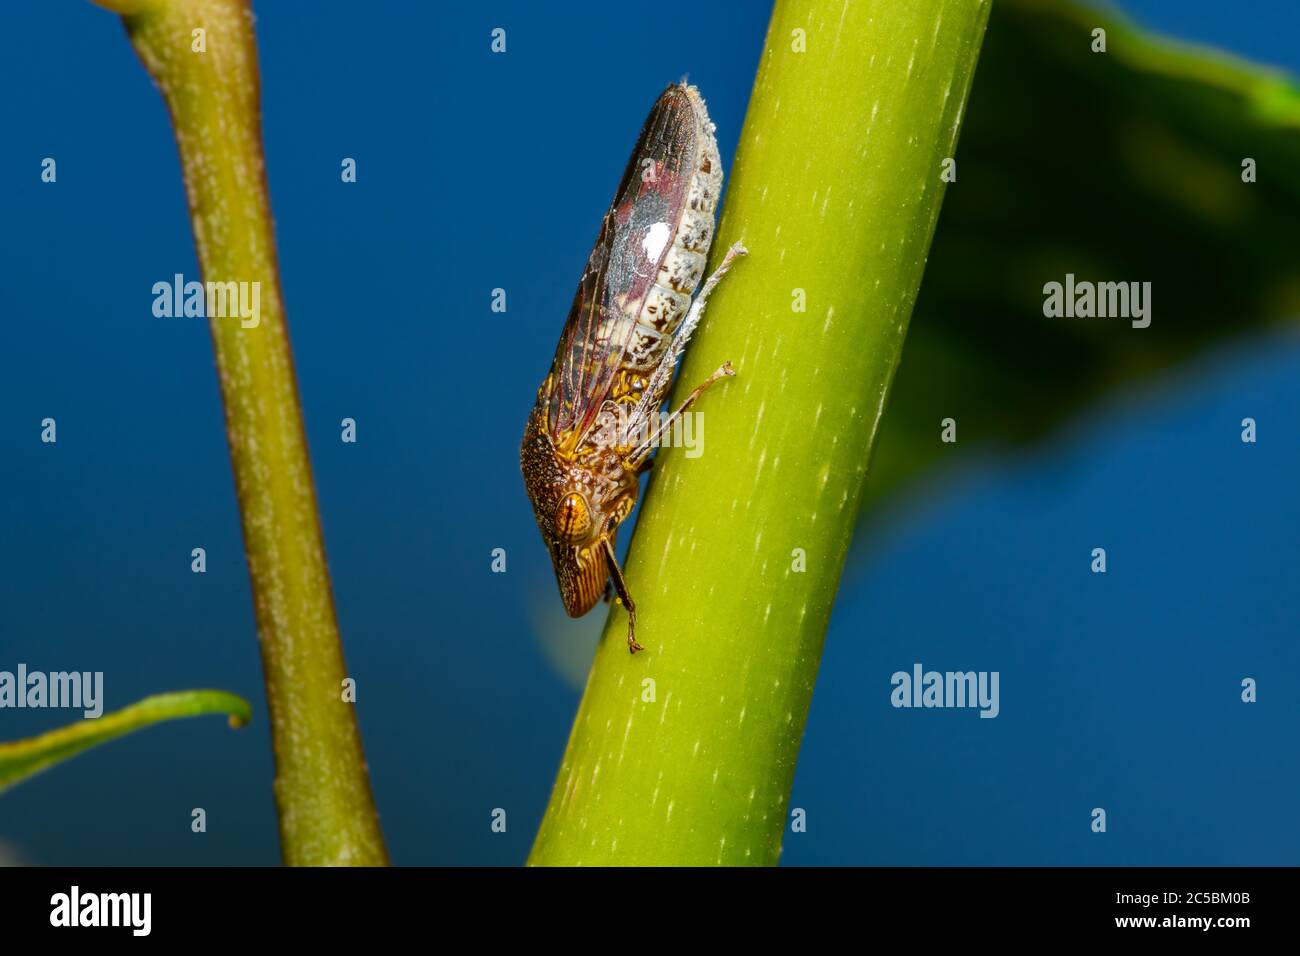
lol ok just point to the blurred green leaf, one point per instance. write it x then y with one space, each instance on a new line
1116 166
25 758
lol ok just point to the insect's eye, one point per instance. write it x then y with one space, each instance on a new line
572 517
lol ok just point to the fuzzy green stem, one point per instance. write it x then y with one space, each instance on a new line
685 754
211 86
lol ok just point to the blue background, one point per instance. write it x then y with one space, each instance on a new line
478 171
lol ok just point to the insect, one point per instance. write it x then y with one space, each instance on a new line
589 437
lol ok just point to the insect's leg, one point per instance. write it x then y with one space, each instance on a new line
609 590
657 387
639 454
734 252
621 587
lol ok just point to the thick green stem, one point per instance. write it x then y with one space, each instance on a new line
210 83
685 754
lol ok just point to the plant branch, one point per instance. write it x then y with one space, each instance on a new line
685 754
21 759
322 790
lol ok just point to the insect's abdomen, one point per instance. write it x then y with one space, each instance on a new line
667 226
648 260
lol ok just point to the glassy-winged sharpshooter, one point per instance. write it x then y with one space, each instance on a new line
585 445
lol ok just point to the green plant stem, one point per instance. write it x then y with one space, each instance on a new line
685 754
322 790
21 759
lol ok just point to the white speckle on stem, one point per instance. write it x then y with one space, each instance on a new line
758 422
627 730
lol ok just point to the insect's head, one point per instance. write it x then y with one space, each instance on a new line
573 514
577 527
581 572
573 521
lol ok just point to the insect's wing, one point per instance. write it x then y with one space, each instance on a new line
578 356
634 240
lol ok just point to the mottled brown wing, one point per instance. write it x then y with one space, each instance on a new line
654 190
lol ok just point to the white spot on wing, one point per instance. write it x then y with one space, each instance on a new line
655 240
